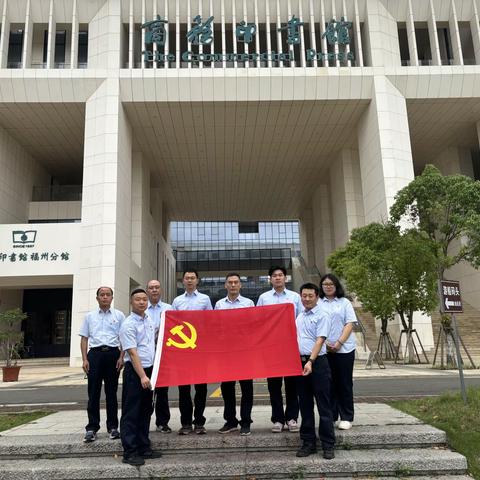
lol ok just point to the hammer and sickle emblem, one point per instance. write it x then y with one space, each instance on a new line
188 341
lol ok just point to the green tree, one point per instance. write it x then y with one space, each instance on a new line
447 209
390 272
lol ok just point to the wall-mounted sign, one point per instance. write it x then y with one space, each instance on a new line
39 249
201 33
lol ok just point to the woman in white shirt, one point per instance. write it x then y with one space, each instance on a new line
340 348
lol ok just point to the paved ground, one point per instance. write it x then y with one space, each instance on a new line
73 421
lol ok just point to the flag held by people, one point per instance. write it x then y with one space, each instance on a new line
222 345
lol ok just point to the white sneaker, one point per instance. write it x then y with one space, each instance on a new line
277 427
344 425
293 425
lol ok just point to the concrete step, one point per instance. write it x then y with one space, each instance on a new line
244 465
359 437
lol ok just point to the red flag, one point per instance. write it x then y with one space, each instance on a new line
221 345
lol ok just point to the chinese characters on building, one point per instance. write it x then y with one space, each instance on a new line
11 257
201 34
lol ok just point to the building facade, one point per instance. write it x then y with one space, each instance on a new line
118 117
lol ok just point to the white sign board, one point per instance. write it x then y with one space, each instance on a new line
39 249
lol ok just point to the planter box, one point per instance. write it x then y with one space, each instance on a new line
10 374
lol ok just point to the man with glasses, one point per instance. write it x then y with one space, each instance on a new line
282 418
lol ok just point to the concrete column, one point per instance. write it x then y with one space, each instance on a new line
346 196
433 35
322 227
52 31
455 35
74 39
412 39
475 28
105 248
384 146
104 37
4 36
27 38
455 160
306 237
381 35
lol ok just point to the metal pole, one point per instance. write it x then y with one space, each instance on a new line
459 359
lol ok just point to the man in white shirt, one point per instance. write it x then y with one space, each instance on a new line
233 299
192 299
282 418
154 311
102 362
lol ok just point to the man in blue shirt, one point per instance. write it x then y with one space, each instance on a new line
313 326
154 311
192 299
289 416
137 337
235 300
103 362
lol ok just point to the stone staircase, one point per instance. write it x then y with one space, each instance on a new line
469 328
383 443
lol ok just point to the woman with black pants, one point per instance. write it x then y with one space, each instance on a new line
340 348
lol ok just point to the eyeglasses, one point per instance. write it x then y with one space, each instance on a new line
328 284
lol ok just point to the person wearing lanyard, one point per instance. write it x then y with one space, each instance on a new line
233 299
340 348
313 326
192 299
137 337
154 311
289 416
103 362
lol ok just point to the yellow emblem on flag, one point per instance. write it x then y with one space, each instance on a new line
188 341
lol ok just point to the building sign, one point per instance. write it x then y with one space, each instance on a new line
336 33
42 249
450 297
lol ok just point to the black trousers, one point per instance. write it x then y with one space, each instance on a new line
316 388
137 410
276 399
246 403
162 410
341 366
103 368
186 406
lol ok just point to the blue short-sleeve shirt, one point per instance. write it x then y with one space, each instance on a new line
312 324
192 301
139 332
272 297
102 327
239 302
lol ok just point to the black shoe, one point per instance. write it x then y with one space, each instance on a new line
185 430
114 434
135 460
164 429
200 430
227 428
328 453
90 436
245 430
149 453
306 449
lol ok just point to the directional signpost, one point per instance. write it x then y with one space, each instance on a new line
451 302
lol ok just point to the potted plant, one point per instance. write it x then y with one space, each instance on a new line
11 341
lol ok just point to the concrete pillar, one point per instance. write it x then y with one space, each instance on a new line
381 35
455 160
412 39
4 36
27 38
104 37
52 31
346 196
306 237
433 35
455 35
322 227
105 245
74 39
384 147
